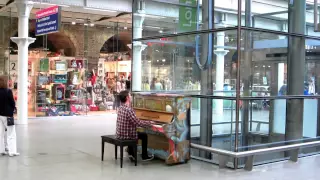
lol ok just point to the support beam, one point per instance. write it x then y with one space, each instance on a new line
24 7
296 71
206 81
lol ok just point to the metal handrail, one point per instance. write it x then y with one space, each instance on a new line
186 94
222 123
224 154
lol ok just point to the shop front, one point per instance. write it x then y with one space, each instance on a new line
75 70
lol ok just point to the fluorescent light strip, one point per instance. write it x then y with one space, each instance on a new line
154 16
50 4
153 27
96 9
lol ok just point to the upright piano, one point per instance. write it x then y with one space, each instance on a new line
169 138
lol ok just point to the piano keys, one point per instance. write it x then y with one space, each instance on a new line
169 138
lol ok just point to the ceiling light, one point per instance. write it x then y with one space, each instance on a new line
96 9
157 60
163 60
73 23
154 16
51 4
91 24
153 27
125 28
86 24
78 19
149 61
160 31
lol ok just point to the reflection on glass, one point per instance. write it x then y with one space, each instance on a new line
172 17
169 64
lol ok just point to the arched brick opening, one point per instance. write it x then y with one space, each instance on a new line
117 43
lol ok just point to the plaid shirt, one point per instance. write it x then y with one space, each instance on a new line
127 123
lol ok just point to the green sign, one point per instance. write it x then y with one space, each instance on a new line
44 65
187 15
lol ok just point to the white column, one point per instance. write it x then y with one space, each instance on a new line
280 75
137 49
220 53
24 7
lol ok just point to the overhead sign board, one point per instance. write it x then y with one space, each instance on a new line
48 20
188 15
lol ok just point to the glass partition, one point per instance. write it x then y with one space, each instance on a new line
255 91
172 63
180 16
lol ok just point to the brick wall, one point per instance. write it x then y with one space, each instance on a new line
87 41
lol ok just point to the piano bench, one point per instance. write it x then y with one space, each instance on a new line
111 139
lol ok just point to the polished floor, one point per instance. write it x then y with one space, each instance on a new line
68 148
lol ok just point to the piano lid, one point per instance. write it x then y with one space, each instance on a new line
163 117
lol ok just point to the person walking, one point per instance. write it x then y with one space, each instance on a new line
8 140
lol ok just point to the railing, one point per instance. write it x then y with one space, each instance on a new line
224 155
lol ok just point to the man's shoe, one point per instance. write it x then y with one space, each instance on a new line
149 158
4 153
14 154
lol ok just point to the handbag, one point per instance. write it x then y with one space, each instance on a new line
10 121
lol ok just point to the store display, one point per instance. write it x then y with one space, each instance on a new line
60 78
58 92
43 79
63 86
44 65
74 78
61 65
76 64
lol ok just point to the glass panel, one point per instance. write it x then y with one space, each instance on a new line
269 14
169 64
263 64
177 16
223 129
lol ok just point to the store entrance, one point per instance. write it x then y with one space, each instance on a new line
76 71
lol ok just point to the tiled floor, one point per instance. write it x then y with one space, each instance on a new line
68 148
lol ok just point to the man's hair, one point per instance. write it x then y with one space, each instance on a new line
123 96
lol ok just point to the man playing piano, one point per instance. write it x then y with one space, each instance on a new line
127 123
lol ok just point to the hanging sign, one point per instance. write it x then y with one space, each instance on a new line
48 20
188 15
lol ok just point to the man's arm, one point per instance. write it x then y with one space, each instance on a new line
134 119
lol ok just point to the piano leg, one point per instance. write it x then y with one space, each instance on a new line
116 151
102 150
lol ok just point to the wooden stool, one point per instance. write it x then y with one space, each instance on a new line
111 139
